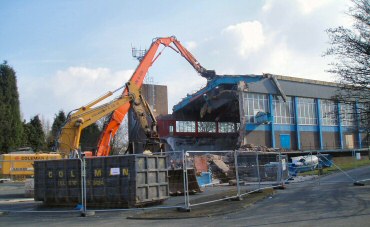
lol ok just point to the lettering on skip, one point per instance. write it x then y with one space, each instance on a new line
125 172
72 174
61 173
73 180
97 173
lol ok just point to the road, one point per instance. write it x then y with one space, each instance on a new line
331 201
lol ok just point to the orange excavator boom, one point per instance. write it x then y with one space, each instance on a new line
112 125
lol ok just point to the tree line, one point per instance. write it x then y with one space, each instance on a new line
15 133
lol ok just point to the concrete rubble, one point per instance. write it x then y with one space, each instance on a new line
252 147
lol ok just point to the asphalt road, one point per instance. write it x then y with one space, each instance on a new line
330 201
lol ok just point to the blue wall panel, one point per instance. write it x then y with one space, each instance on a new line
330 128
285 141
250 127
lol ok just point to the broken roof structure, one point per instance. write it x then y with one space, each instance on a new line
268 110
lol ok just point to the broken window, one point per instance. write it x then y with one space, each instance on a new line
185 126
254 103
206 126
170 129
226 127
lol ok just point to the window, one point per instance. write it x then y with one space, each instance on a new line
363 114
329 112
307 111
226 127
170 129
283 111
254 103
206 126
185 126
347 113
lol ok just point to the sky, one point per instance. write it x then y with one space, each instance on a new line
68 53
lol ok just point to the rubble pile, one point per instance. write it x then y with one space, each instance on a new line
222 167
252 147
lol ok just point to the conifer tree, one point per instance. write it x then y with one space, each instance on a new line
57 125
10 117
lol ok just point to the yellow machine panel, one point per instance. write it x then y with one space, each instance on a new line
22 164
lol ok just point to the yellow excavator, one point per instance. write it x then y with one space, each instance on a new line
69 138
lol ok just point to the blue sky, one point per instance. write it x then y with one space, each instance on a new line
67 53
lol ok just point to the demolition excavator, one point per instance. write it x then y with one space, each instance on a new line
77 120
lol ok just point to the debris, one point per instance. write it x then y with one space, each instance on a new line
201 164
221 165
252 147
233 182
219 169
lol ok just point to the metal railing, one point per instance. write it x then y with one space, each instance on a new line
171 180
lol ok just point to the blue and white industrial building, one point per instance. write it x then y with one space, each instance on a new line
268 110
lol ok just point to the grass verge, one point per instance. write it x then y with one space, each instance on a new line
344 163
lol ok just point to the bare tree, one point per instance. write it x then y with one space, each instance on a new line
351 49
46 126
120 142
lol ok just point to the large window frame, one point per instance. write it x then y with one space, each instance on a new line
206 127
226 127
307 111
347 114
283 111
185 126
329 112
254 103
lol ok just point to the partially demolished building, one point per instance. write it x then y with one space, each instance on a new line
265 110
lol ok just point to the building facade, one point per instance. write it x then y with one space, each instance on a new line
268 110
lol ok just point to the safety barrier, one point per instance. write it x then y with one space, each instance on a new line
171 180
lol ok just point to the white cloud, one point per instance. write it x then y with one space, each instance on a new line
68 89
309 6
304 6
191 45
248 36
267 6
286 38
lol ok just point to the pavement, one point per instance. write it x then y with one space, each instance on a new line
330 200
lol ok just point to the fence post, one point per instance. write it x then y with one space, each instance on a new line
279 169
237 174
185 182
83 185
319 167
258 171
280 174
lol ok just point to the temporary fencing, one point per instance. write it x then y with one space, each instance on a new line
168 180
317 167
225 175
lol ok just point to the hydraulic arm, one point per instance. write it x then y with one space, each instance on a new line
116 118
69 138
